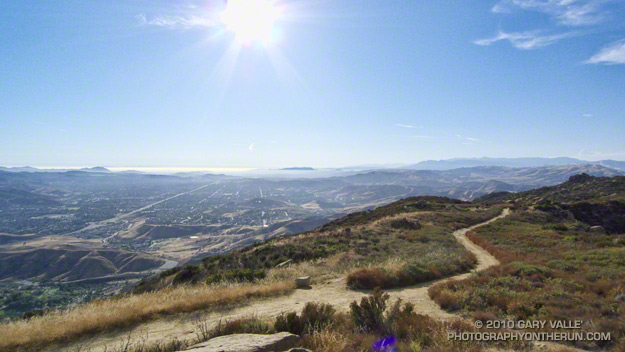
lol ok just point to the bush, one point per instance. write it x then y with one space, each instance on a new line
447 300
367 279
419 273
314 317
404 223
317 316
187 274
368 316
396 318
521 269
289 322
557 227
409 274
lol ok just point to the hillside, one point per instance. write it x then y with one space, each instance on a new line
58 259
577 188
563 257
14 196
398 230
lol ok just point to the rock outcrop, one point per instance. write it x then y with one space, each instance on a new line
303 282
247 343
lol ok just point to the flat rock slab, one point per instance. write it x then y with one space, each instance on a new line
247 343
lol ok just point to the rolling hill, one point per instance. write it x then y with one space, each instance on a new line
70 262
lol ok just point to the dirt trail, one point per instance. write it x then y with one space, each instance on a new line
334 292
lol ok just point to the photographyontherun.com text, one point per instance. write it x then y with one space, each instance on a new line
572 333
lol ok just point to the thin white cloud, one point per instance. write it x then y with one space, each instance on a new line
404 126
587 115
600 155
502 7
565 12
470 140
524 40
251 147
177 22
612 54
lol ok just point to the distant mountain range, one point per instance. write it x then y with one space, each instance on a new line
436 165
303 168
468 183
450 164
33 169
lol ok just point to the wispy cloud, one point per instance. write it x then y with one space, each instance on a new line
404 126
600 155
565 12
612 54
251 147
470 140
587 115
525 40
177 22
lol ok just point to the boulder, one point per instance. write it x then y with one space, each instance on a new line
597 230
284 263
247 343
299 349
404 223
303 282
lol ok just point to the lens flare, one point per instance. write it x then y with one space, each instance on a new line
250 20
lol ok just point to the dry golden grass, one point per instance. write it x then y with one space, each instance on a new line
319 270
104 315
329 340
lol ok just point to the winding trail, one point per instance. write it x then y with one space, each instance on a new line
333 292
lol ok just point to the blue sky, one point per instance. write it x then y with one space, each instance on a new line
165 83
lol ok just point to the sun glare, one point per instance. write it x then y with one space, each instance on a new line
250 20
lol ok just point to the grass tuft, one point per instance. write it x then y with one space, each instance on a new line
105 315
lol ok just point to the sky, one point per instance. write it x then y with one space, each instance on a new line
321 83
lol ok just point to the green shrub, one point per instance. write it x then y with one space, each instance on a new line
289 322
317 316
526 270
240 275
367 279
557 227
314 317
404 223
187 274
396 317
369 315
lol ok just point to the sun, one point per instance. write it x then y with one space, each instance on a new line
250 20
